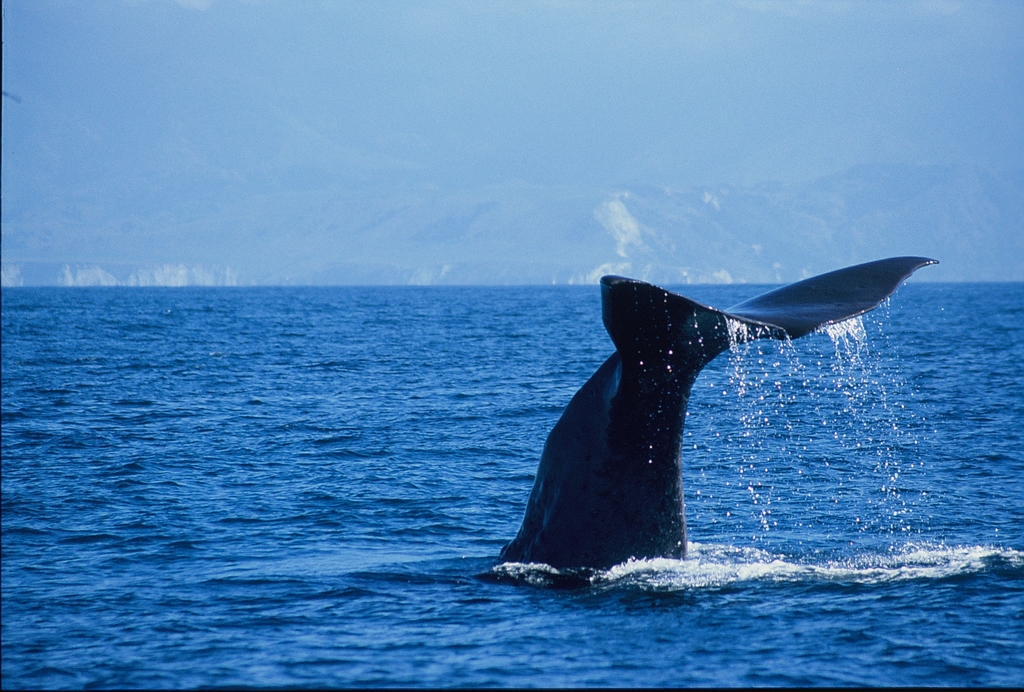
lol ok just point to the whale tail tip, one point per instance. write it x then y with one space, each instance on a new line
825 299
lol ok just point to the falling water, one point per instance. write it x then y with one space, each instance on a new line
778 422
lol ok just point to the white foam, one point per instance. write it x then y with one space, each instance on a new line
712 566
716 565
533 573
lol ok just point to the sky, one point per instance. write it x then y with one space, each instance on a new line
154 115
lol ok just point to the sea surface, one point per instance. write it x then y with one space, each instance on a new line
310 487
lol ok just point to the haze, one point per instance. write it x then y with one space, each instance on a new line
222 142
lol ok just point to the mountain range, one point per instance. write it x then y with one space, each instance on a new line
969 218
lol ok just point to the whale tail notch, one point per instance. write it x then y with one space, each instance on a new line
662 336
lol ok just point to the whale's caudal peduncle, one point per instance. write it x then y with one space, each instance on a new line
609 486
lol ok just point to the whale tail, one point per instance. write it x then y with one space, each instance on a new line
665 338
609 484
807 305
644 319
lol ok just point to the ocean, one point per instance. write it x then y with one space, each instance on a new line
310 487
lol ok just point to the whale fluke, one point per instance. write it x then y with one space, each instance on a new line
609 485
802 307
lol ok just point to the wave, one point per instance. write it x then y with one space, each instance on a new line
717 566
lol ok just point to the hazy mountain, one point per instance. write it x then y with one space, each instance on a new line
971 219
221 142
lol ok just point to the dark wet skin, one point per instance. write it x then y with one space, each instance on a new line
609 486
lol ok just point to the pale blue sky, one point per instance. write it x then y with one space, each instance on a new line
158 110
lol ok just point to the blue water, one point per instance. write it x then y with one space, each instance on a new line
303 486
